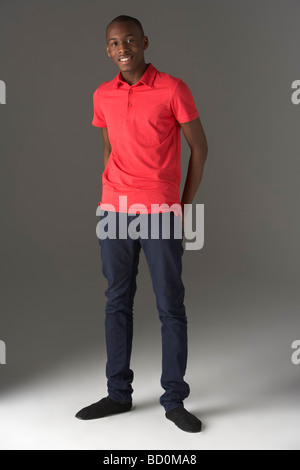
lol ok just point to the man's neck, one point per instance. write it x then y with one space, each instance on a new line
134 77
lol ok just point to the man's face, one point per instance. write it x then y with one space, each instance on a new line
125 45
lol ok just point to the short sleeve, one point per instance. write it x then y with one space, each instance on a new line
98 118
182 103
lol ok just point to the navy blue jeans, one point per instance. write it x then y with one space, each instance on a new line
120 259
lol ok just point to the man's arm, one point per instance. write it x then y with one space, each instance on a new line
196 139
106 146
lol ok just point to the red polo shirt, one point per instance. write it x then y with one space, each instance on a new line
143 128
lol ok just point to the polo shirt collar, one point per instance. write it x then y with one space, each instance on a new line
147 79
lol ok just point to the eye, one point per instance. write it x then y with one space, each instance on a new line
130 40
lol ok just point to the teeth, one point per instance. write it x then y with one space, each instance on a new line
125 60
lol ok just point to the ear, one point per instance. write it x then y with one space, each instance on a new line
107 50
146 42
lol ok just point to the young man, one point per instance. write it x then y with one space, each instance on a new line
141 113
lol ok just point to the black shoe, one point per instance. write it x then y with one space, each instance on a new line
184 420
103 408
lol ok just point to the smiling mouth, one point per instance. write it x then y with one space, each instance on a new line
126 59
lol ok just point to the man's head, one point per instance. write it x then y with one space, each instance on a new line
126 43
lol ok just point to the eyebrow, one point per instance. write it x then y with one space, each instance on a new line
110 39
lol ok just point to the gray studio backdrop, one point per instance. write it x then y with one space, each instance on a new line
239 59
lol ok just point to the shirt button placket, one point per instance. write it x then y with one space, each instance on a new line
129 103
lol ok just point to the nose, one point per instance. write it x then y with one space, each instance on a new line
123 47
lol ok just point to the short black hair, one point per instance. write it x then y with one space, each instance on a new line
123 18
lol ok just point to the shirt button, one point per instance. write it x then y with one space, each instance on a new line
130 104
130 91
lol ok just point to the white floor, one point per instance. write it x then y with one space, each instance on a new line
241 403
244 386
